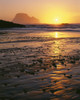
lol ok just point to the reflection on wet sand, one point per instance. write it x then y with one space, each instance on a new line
39 67
56 35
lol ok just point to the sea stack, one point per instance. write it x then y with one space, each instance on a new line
22 18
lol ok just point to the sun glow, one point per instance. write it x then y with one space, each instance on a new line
57 21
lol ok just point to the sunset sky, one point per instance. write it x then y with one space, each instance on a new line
47 11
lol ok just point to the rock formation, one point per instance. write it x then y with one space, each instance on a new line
7 24
22 18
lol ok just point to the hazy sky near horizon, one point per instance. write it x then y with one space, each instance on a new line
66 11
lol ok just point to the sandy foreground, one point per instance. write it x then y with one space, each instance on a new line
34 66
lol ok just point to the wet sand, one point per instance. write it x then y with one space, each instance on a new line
40 66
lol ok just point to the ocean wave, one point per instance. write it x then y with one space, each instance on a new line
46 27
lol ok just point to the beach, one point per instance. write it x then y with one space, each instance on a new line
39 64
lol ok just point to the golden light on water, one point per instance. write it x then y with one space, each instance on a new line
56 34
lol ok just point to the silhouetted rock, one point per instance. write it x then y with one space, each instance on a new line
22 18
6 24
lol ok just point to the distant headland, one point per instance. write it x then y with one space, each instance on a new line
22 18
7 24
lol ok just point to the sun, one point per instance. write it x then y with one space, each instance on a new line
57 21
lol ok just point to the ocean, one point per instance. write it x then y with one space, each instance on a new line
40 62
